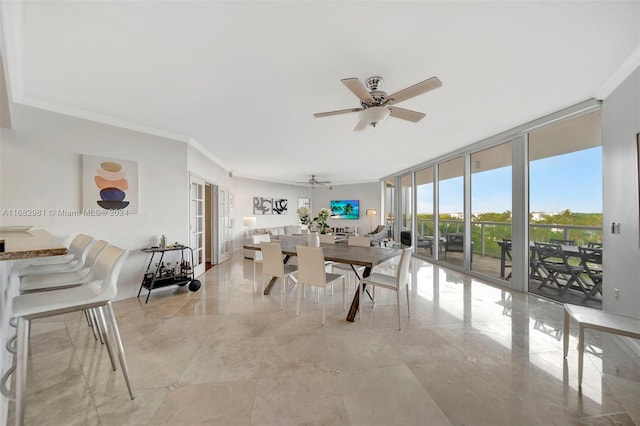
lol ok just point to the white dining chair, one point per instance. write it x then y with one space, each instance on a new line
72 261
357 241
257 257
273 266
390 282
327 238
311 271
96 294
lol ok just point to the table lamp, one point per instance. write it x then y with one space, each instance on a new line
249 222
371 213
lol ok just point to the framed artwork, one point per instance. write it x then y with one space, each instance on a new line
279 206
262 206
109 183
304 202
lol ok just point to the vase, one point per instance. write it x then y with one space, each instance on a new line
314 239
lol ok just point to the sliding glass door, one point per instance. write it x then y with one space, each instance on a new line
451 211
491 210
424 213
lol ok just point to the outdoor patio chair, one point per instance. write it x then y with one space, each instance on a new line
455 243
592 244
591 261
556 263
508 261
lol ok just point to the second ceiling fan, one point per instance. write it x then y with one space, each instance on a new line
376 105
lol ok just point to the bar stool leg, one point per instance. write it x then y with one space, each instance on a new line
123 359
105 338
21 369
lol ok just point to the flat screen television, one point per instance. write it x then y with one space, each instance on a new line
345 209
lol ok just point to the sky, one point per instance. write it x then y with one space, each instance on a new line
571 181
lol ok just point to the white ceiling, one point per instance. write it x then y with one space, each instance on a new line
242 79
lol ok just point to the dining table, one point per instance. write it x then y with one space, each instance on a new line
339 253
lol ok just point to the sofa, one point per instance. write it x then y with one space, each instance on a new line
274 233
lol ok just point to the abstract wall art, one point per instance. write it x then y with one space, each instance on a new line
261 205
109 184
279 206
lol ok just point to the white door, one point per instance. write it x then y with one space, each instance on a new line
224 224
196 225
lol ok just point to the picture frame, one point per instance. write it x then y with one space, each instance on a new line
262 206
110 184
304 202
279 206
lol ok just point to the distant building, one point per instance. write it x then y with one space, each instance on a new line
538 216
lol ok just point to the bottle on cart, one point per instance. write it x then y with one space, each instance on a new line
163 242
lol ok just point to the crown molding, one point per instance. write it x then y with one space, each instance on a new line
623 71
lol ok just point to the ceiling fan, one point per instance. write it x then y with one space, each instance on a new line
314 182
376 105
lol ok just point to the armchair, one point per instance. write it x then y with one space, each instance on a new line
421 242
378 234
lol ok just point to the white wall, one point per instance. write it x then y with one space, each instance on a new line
246 189
369 195
620 124
41 168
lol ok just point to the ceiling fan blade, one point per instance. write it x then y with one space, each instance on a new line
342 111
361 126
406 114
415 90
358 89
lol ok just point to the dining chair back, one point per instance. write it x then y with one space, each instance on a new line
591 261
311 271
391 282
359 241
257 257
273 266
327 239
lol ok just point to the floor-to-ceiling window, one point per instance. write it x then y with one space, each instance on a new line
565 201
451 210
424 213
540 182
491 210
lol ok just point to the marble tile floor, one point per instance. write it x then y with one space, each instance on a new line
470 354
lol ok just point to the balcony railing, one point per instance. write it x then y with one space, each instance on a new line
485 235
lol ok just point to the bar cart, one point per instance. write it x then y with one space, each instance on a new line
162 275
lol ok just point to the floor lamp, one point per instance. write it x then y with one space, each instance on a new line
371 213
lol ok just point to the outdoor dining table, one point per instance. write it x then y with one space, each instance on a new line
505 247
339 253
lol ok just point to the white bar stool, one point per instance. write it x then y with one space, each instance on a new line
95 294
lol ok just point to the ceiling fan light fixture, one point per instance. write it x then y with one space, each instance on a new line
375 115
